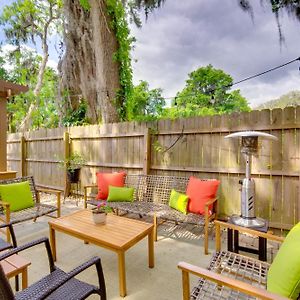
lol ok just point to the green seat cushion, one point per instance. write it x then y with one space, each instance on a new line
284 273
179 201
119 194
18 195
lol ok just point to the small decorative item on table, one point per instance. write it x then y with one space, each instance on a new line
99 213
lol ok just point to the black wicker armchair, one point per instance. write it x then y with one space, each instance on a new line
58 284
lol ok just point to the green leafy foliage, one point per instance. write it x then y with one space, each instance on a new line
119 24
277 6
145 104
207 93
76 117
74 161
290 99
85 4
3 72
136 6
24 66
25 20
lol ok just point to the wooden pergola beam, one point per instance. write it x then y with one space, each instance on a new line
7 89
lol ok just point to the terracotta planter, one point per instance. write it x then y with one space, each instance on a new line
99 218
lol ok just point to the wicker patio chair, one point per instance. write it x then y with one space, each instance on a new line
39 209
4 245
234 276
58 284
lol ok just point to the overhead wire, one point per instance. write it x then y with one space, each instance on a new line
240 81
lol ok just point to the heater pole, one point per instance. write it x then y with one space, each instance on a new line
248 165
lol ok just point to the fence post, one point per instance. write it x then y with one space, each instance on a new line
147 151
67 186
23 155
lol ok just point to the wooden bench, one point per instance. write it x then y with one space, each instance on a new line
151 198
39 209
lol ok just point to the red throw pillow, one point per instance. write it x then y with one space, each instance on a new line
199 191
106 179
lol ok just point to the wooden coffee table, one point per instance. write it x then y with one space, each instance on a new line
118 235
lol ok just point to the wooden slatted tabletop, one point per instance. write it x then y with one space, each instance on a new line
15 265
118 235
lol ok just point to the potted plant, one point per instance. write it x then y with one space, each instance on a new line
73 164
99 213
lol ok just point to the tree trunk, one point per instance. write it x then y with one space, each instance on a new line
88 68
26 122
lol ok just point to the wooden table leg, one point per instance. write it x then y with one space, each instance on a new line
24 278
122 274
262 248
151 249
52 241
230 239
185 285
236 245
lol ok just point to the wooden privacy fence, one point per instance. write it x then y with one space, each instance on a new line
183 147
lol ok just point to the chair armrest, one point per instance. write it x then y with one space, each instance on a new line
64 278
207 214
211 201
6 207
90 186
55 192
29 245
49 191
85 197
5 204
266 235
225 281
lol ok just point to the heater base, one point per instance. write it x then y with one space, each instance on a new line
248 222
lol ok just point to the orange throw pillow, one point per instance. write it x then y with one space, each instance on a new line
106 179
200 191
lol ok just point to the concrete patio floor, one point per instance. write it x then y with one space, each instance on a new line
163 282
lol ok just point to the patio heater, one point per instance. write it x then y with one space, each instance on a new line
249 148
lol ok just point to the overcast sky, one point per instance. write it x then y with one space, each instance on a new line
185 35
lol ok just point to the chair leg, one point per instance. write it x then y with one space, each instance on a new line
155 227
7 220
17 282
8 238
206 236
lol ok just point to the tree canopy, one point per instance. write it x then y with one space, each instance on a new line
207 92
25 21
23 69
145 104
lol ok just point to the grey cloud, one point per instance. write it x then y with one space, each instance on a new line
185 35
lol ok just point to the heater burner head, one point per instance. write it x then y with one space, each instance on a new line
249 134
250 140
